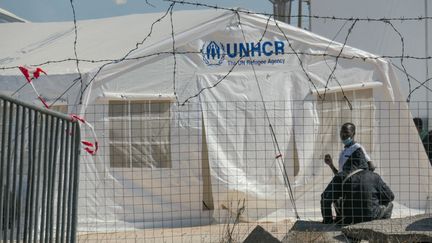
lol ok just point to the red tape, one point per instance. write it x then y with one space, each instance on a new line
25 72
37 73
77 118
30 74
43 102
87 143
34 73
88 150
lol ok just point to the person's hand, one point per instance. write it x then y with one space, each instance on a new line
328 159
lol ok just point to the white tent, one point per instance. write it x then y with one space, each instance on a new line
217 148
8 17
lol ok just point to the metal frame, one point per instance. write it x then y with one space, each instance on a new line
39 171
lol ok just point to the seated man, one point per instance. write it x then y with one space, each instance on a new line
365 197
352 158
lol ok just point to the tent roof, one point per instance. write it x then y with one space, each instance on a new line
112 38
7 17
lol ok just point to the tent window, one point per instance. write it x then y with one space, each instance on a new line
139 134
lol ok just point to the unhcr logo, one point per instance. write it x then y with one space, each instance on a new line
215 54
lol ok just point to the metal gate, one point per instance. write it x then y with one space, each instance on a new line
39 173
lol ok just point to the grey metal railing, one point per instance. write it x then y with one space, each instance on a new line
39 173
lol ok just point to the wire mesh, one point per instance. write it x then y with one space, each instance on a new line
209 172
175 170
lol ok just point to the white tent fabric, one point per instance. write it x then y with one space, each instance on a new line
8 17
117 198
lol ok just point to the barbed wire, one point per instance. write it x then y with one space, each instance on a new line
197 4
75 47
227 73
148 3
350 57
174 52
325 59
335 66
293 52
421 84
354 20
137 45
403 52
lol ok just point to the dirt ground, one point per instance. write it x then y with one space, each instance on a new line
208 233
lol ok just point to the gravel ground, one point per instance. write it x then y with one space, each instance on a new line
208 233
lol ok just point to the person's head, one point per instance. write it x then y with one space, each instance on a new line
418 123
347 133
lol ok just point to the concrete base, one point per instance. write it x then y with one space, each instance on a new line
312 231
410 229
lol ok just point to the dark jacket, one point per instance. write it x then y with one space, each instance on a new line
363 193
333 191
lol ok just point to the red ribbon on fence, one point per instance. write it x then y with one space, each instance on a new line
34 73
30 74
43 102
89 150
90 147
77 118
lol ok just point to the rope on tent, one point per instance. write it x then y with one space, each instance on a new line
279 158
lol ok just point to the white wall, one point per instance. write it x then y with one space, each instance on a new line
381 39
